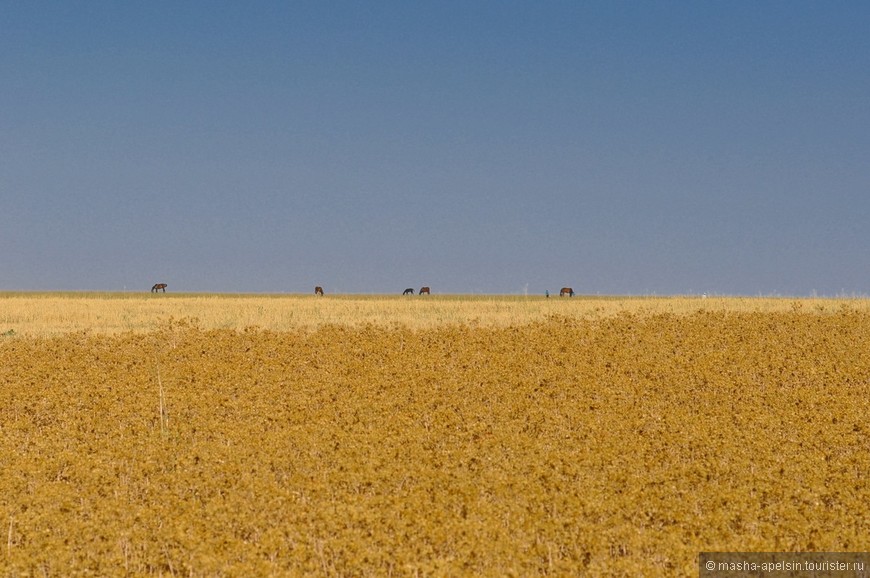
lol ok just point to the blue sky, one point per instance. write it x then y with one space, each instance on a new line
495 147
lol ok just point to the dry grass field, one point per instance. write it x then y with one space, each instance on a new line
42 314
190 435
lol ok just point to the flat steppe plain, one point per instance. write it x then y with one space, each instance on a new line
290 435
112 313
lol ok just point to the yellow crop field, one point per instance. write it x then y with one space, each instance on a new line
204 436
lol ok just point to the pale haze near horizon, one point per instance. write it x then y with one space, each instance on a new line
491 147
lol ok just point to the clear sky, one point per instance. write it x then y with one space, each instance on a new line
495 146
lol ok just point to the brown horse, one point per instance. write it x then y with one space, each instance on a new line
158 287
566 291
408 291
318 291
423 290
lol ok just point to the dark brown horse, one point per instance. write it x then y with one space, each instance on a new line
158 287
566 291
408 291
423 290
318 291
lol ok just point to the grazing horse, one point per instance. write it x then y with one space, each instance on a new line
318 291
408 291
423 290
158 287
566 291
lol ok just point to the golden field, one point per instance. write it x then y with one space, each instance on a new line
42 314
380 436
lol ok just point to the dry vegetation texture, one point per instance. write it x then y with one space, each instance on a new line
42 314
621 445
